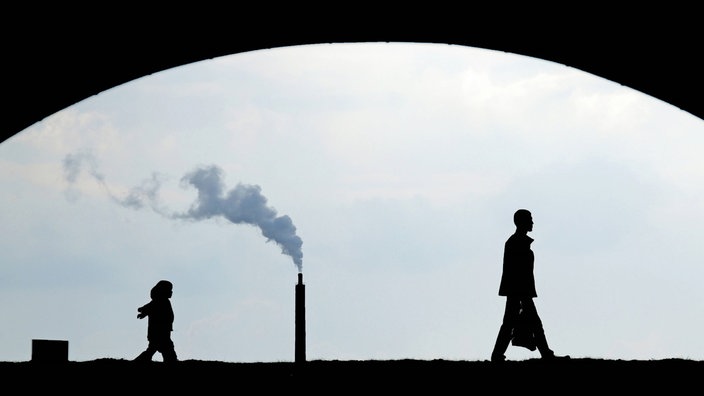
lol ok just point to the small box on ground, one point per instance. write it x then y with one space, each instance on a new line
49 351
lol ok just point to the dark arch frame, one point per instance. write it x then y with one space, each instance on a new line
73 57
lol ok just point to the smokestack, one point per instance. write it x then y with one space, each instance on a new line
300 320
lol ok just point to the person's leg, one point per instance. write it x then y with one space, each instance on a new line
168 352
503 339
147 355
538 332
165 347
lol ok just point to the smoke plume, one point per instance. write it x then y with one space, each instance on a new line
137 198
244 204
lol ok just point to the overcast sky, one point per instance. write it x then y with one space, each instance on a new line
386 173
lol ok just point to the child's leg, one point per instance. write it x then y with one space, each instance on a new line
168 352
147 355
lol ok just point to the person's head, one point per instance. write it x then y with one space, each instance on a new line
523 220
163 289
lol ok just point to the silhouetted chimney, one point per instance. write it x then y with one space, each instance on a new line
300 320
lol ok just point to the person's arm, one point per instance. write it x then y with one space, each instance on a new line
144 310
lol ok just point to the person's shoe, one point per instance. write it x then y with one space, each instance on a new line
553 357
498 358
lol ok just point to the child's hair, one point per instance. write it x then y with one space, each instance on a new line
161 289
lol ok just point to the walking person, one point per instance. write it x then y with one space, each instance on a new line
160 323
521 322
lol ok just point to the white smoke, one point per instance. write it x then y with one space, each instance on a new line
243 204
137 198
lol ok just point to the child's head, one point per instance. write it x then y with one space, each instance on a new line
163 289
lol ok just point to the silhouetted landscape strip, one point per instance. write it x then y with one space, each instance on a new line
407 374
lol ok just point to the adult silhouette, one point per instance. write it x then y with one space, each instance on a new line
521 322
160 323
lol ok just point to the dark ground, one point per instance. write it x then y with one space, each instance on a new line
532 376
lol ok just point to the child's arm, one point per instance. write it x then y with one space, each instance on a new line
143 311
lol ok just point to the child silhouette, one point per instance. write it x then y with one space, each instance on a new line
160 323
